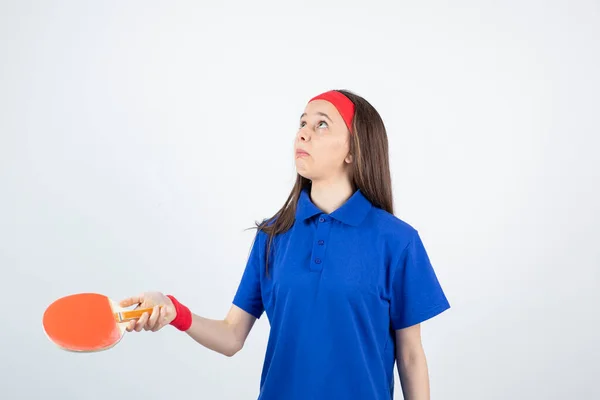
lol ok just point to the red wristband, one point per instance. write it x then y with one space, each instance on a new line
183 317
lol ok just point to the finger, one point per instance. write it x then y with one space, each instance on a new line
131 301
130 326
170 314
139 325
153 318
162 319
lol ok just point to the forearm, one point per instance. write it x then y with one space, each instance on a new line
216 335
413 373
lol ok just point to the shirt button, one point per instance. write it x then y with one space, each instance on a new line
321 242
321 219
318 260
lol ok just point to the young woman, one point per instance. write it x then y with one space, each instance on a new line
344 283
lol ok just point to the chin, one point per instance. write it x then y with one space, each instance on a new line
304 173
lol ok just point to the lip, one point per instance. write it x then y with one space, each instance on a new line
301 153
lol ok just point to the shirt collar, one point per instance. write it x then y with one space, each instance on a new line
352 212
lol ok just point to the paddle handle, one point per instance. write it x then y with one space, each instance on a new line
123 316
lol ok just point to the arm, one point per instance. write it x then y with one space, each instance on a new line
412 363
226 336
416 296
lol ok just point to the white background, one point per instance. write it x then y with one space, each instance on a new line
139 139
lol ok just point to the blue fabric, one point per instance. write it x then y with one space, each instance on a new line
339 284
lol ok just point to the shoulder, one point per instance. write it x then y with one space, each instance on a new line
265 225
395 231
265 230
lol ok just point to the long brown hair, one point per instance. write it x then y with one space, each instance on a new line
370 170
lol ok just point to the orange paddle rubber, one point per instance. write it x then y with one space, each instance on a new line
87 322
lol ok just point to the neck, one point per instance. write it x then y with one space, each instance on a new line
330 195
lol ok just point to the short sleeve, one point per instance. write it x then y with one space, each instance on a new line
248 296
416 294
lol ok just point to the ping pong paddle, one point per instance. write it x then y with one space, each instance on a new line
87 322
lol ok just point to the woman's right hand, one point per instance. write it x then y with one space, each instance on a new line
162 314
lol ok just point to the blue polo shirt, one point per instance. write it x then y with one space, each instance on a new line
339 284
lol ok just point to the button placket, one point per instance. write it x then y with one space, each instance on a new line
319 246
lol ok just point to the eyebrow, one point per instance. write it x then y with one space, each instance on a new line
318 113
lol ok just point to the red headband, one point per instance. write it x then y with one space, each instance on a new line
342 103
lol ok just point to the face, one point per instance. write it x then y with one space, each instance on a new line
322 144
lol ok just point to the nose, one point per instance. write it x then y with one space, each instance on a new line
303 135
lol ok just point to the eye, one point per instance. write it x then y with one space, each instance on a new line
322 124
